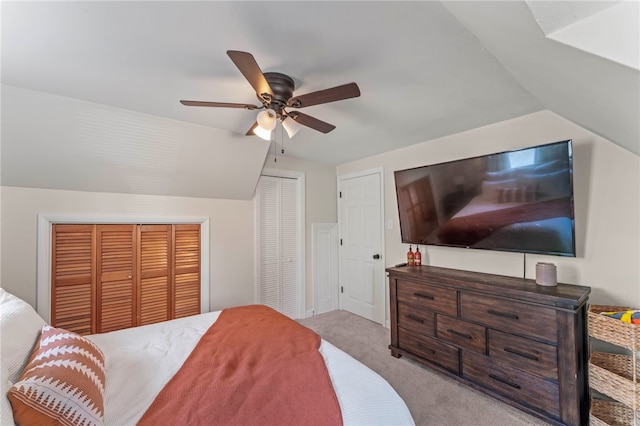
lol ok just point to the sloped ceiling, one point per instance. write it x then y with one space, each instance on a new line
598 93
425 70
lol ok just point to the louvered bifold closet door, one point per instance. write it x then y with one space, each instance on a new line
154 271
269 244
186 270
73 278
277 245
289 247
116 269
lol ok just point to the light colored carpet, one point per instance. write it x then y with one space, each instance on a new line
432 398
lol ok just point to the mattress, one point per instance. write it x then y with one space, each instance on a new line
140 361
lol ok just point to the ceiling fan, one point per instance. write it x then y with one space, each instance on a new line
275 92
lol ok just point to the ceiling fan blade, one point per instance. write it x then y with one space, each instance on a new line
250 131
309 121
219 104
251 71
338 93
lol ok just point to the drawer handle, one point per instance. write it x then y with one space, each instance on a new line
424 296
502 314
421 346
457 333
416 319
522 354
505 381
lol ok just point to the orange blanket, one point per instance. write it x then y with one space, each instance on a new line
254 366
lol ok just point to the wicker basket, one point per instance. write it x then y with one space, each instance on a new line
613 330
613 375
605 413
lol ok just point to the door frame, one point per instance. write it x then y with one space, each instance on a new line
383 278
301 270
43 250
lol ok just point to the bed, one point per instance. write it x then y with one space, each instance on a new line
543 225
530 205
140 363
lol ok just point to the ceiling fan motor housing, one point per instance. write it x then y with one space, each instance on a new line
282 87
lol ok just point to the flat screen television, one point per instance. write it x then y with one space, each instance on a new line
517 201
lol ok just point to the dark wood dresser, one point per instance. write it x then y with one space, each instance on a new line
519 342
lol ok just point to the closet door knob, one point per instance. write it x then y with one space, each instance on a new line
130 276
376 256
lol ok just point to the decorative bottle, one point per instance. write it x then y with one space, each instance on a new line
417 257
410 257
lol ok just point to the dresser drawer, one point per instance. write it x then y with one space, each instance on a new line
525 354
430 349
461 333
428 296
510 316
416 319
525 388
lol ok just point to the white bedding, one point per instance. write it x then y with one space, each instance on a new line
479 205
140 361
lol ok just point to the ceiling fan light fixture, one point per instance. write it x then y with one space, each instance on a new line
262 133
267 119
291 126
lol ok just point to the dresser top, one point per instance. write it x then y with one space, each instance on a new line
562 295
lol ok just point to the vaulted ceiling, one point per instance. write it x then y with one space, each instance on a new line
425 70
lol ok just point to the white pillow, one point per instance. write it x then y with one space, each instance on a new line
502 174
20 327
6 413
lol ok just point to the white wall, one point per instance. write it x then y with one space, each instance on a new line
607 205
48 141
320 203
230 234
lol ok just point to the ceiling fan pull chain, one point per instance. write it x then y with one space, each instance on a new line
282 138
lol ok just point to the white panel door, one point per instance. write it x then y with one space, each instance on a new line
325 267
277 240
361 267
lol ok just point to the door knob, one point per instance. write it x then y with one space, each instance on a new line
376 256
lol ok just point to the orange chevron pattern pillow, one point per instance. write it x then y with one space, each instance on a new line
63 382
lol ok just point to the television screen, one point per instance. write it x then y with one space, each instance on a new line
520 201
